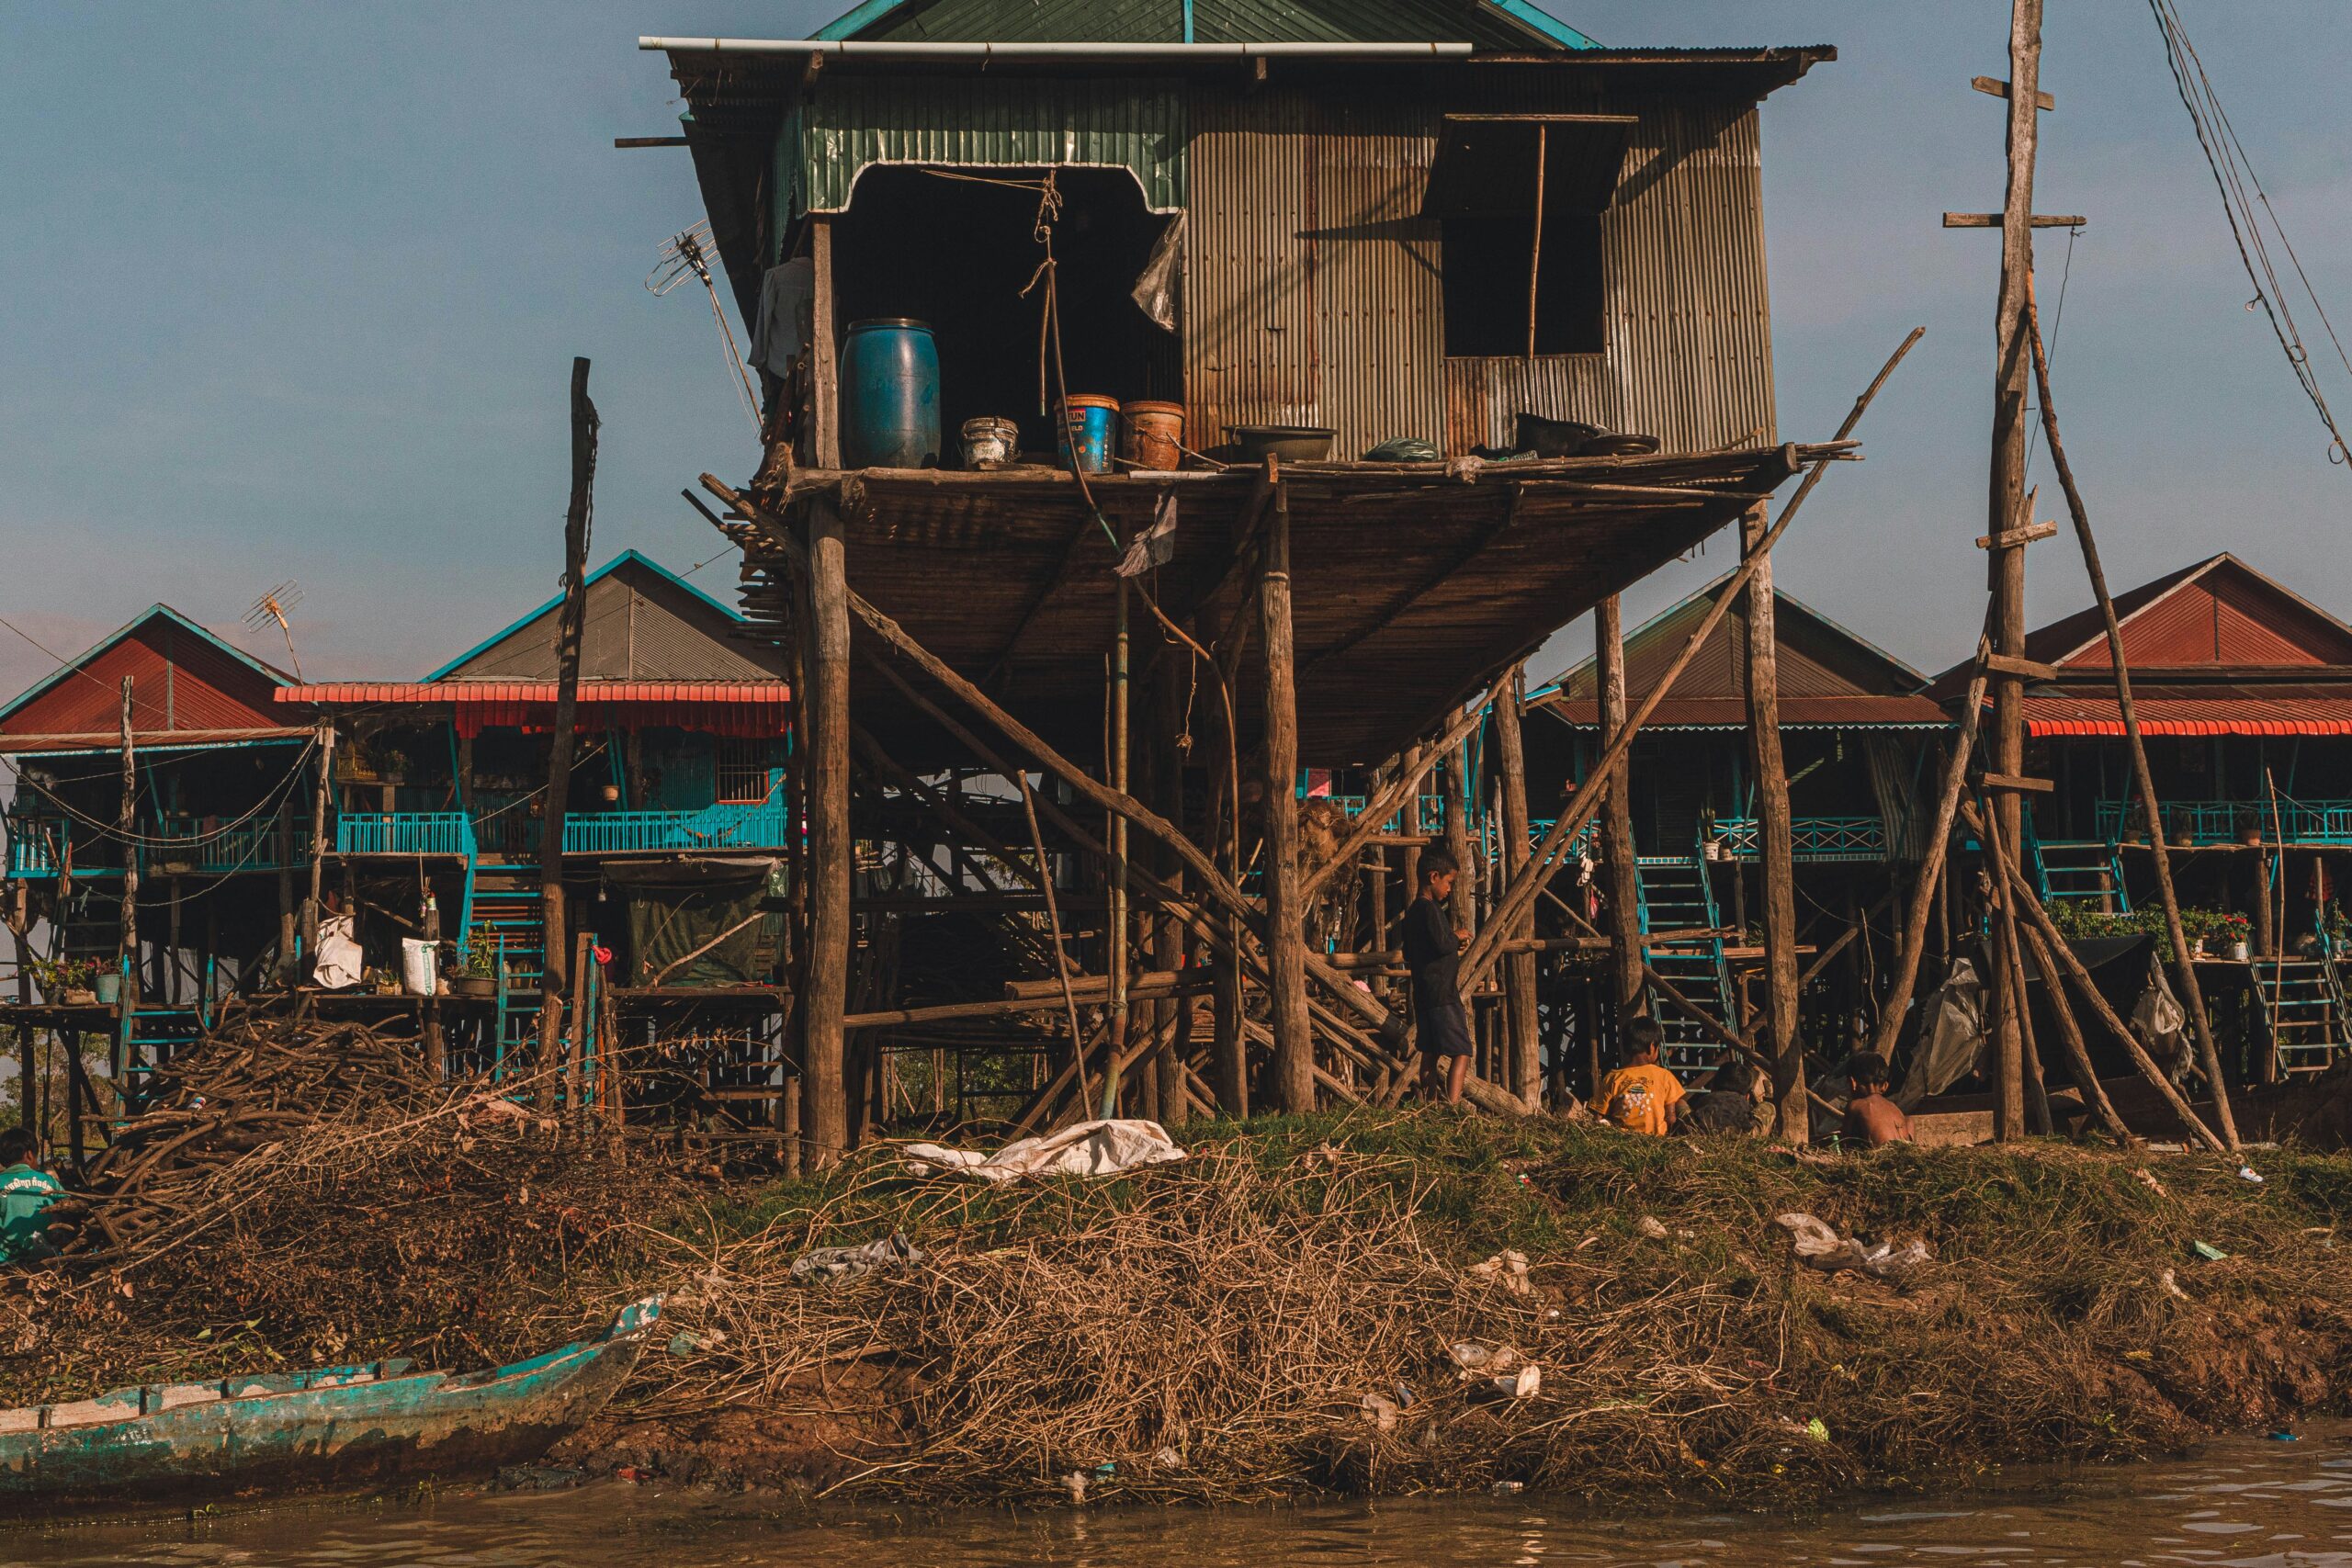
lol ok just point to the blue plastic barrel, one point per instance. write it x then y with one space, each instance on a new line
1086 438
889 402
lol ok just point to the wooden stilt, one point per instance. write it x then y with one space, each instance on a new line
555 950
1167 937
1782 1044
312 905
1623 913
825 655
1294 1066
1927 893
1526 1075
127 942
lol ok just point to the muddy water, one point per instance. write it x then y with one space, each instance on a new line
2245 1503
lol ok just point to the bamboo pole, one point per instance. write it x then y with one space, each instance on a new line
1541 866
2192 996
554 954
127 939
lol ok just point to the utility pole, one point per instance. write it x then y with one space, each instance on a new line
2005 563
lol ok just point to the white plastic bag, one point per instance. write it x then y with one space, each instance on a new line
420 963
338 964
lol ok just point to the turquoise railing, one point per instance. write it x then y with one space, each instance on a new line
1817 838
404 833
761 825
2225 821
1432 810
176 846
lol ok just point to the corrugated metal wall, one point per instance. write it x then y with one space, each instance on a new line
857 121
1313 296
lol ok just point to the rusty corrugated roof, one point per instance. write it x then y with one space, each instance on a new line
348 693
2309 709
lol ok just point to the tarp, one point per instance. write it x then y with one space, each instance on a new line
1951 1036
1089 1148
675 909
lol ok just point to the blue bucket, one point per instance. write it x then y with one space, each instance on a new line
1087 436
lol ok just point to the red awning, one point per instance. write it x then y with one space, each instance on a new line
736 709
2098 715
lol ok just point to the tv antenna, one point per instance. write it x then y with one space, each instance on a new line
687 254
272 606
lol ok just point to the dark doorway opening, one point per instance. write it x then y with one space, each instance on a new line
955 247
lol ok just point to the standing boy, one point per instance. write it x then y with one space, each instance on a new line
1641 1095
1432 945
25 1190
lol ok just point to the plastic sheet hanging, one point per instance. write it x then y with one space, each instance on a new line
1155 291
2160 1022
1951 1036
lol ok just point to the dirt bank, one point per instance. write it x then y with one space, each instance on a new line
1276 1314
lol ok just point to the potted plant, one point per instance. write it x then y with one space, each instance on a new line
2250 827
106 983
478 977
65 982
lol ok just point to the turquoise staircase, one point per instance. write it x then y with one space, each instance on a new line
1676 894
2304 1012
503 917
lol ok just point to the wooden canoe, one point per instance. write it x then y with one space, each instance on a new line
337 1426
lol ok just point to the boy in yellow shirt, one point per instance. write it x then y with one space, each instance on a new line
1641 1095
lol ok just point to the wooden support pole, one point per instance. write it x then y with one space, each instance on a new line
1622 891
1121 927
554 952
1526 1075
825 655
282 831
312 905
2030 904
127 941
437 1054
1545 862
1784 1042
1294 1066
1171 1019
2006 509
2192 995
1228 1048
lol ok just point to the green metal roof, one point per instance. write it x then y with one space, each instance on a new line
1499 24
858 121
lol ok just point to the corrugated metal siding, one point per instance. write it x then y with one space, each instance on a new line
1689 323
637 626
1314 289
1251 268
858 121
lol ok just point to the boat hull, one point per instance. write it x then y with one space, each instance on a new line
338 1435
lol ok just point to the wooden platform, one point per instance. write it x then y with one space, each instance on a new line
1412 584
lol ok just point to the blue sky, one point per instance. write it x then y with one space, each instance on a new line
294 291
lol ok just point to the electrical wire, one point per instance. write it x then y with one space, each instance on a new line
2234 176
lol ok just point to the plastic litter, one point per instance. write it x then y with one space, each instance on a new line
894 1254
2284 1437
1506 1269
1817 1429
1818 1245
1509 1488
1089 1148
1649 1226
2207 1251
2247 1173
1381 1413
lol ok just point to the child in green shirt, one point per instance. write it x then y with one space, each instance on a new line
25 1190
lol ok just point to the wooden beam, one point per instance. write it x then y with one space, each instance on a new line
1397 604
110 739
2015 664
1993 220
620 141
2012 784
555 958
1617 856
1996 87
2011 538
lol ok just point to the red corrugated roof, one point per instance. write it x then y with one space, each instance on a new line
2314 711
344 693
1796 713
741 709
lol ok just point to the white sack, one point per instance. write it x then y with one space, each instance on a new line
1091 1148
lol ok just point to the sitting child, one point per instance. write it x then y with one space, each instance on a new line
1641 1095
1872 1119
